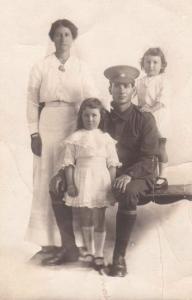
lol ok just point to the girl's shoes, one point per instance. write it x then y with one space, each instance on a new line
82 253
98 264
87 260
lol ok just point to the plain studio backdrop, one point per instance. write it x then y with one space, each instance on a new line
111 32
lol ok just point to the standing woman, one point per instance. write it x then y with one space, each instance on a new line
58 84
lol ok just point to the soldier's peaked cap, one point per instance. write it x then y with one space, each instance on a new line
121 74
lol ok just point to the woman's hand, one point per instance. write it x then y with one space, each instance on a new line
56 185
72 190
120 183
36 144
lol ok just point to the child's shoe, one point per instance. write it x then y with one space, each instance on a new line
87 260
98 264
161 183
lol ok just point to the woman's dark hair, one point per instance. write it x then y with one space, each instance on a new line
155 52
91 103
65 23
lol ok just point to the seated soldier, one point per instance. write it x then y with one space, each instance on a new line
137 136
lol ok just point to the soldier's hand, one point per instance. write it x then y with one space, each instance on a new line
55 185
121 182
72 190
36 144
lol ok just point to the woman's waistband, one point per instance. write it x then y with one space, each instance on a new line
56 103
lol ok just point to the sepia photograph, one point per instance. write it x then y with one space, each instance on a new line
96 150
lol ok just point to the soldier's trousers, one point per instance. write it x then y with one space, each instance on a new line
126 214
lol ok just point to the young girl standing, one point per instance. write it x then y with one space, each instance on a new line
90 162
152 97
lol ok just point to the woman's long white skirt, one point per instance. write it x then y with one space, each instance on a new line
56 123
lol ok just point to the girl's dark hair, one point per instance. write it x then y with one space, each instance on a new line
65 23
91 103
155 52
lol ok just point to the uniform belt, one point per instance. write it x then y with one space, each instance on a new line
59 103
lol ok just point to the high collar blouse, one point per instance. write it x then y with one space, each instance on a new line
47 83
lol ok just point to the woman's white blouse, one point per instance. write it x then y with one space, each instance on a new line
47 83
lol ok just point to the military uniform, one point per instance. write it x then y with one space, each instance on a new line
137 136
137 146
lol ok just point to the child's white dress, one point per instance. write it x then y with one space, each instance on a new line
91 152
151 90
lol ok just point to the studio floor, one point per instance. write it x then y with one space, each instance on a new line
159 256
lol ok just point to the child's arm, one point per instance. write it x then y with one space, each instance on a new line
160 100
69 175
158 105
153 108
112 172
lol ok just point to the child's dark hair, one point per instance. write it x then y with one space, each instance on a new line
91 103
155 52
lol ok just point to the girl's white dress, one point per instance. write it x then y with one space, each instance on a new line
151 90
91 152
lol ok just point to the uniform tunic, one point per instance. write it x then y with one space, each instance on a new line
57 120
137 137
151 90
